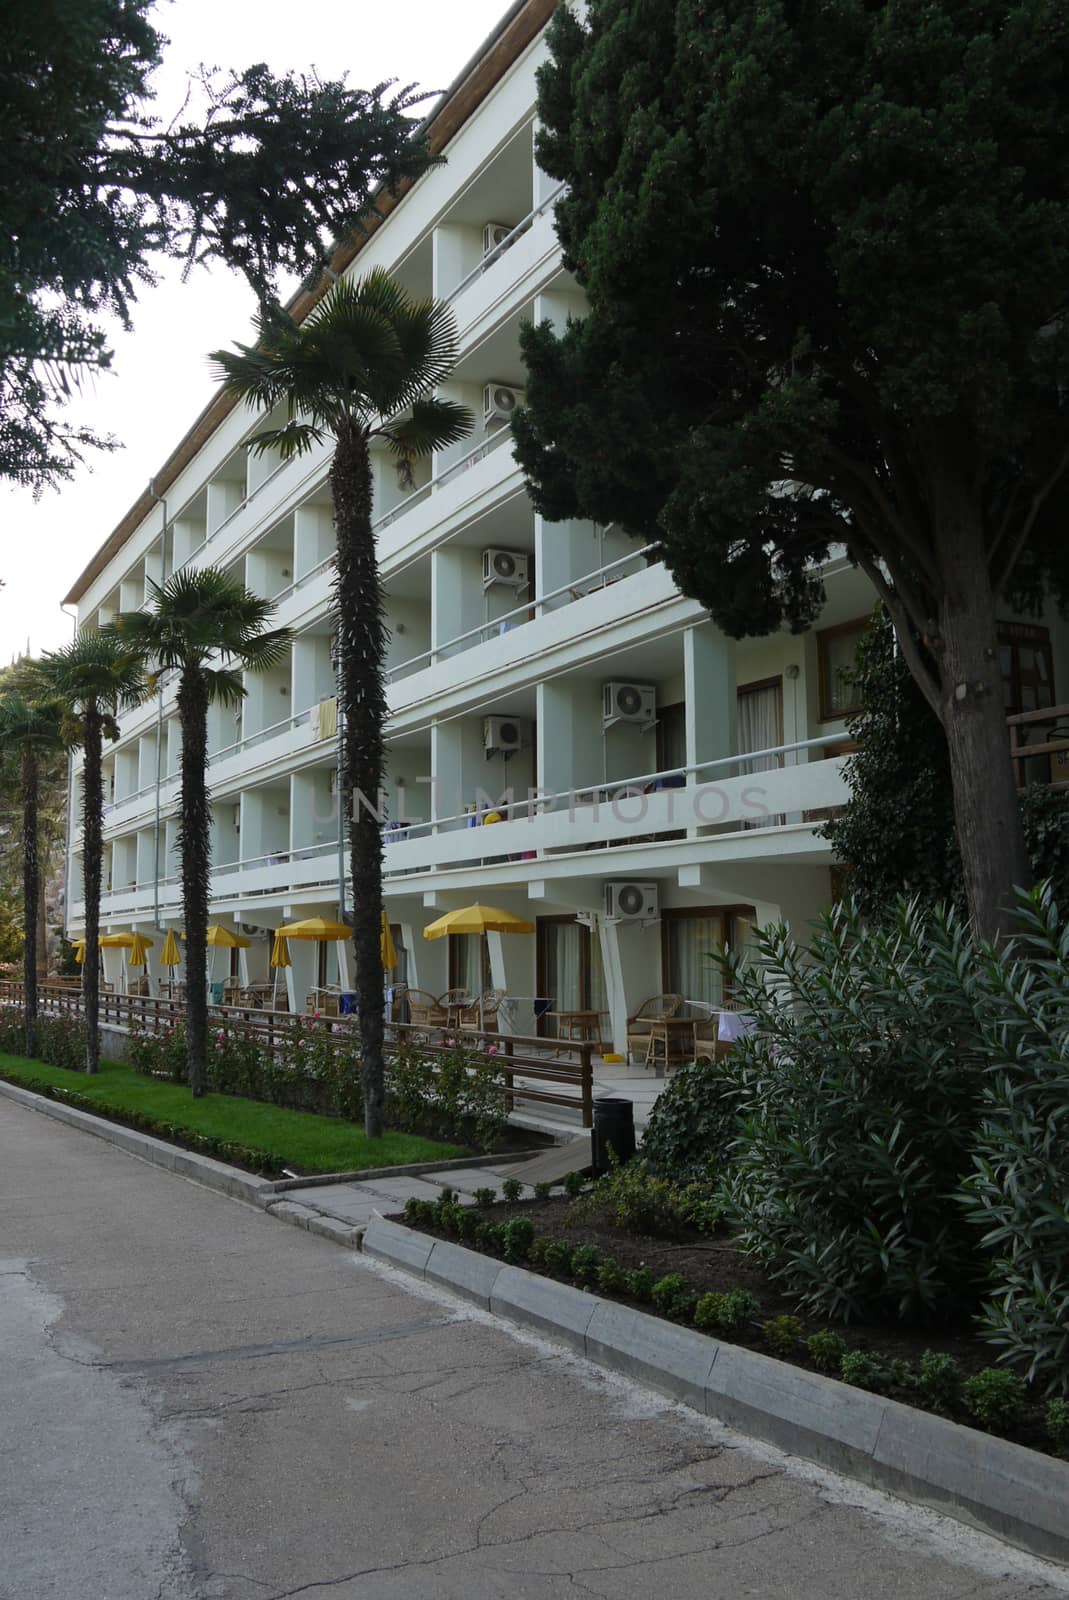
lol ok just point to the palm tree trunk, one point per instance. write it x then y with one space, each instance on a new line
196 848
31 887
92 855
362 649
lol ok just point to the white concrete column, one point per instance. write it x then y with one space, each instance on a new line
456 250
313 537
631 958
709 694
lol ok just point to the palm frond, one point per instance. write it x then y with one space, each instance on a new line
224 686
429 426
295 439
99 669
261 652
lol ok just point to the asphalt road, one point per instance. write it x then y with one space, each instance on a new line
199 1401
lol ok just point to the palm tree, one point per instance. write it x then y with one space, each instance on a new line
206 628
363 365
31 731
95 677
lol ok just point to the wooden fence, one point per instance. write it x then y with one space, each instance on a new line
565 1078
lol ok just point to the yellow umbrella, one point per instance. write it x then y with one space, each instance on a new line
386 944
171 956
477 919
79 951
126 941
316 928
139 949
220 938
280 950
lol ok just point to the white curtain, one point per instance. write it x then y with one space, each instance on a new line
691 972
760 727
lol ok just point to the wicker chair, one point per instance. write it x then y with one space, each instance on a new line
481 1015
640 1026
424 1009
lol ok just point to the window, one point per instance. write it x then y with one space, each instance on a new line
569 965
1027 666
688 936
837 654
671 738
760 727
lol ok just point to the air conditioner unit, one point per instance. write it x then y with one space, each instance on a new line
631 902
510 568
250 929
503 733
628 702
495 233
499 402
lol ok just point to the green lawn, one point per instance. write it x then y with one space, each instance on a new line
290 1138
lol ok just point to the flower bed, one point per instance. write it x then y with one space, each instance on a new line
699 1277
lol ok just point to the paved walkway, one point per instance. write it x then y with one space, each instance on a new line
199 1403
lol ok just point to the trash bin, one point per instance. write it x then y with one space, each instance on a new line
614 1128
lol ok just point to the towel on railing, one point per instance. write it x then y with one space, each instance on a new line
324 719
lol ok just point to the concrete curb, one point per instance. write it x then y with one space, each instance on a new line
319 1180
1015 1493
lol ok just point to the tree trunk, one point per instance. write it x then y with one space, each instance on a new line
92 856
987 812
362 649
196 850
31 888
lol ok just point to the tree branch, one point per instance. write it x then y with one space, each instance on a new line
1038 500
903 632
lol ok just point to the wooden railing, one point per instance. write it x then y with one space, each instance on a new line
1056 743
565 1078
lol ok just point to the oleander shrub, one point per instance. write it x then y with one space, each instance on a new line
859 1095
60 1039
693 1124
994 1397
1018 1191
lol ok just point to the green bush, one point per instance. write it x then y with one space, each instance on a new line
518 1238
1057 1420
585 1263
612 1277
558 1257
729 1311
1017 1191
632 1199
419 1212
539 1247
469 1225
484 1197
865 1371
940 1381
542 1191
859 1095
672 1295
693 1123
511 1189
574 1184
782 1335
640 1283
994 1397
826 1350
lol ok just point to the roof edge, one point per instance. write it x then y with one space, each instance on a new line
522 22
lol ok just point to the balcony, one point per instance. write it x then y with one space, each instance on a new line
1039 747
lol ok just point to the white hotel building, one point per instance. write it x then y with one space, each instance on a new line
555 662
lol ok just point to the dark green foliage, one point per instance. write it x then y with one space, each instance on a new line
994 1397
586 1260
672 1295
419 1212
826 1350
493 1237
865 1371
940 1381
517 1237
448 1194
612 1278
824 250
60 1040
860 1097
259 172
542 1191
692 1124
1016 1194
558 1257
574 1184
640 1282
726 1311
897 828
539 1247
511 1189
484 1197
470 1225
1057 1422
782 1335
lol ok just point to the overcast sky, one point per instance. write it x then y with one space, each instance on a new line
160 379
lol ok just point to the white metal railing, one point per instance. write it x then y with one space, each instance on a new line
477 453
569 592
506 243
609 790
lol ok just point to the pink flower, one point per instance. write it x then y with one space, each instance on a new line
492 1050
317 1013
450 1041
